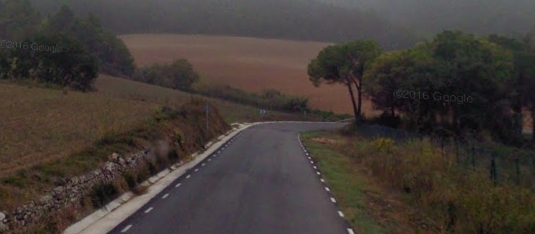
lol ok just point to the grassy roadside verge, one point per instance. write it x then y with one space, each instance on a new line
369 207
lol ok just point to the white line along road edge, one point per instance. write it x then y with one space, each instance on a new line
107 218
111 215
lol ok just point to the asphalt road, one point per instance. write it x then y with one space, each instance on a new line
260 182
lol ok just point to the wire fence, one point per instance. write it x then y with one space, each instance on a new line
504 164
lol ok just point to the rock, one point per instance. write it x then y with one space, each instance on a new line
122 162
58 190
113 157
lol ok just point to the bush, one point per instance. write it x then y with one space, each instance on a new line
103 193
460 200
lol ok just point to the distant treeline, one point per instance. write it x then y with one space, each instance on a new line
300 20
61 48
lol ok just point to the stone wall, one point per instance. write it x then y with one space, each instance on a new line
70 192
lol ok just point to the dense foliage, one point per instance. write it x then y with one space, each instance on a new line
180 75
60 49
459 82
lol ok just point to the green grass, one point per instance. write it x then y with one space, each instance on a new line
348 187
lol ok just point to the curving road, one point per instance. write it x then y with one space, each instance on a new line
260 182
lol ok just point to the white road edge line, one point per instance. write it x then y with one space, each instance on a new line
203 164
196 169
327 189
165 196
322 180
188 176
350 231
318 173
178 185
333 200
341 214
315 167
126 228
148 210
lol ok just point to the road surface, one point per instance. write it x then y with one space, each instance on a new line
260 182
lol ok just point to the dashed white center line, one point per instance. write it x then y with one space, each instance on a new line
350 231
310 158
315 167
311 162
203 164
148 210
165 196
178 185
322 180
318 173
333 200
327 189
341 214
126 228
196 169
188 176
209 159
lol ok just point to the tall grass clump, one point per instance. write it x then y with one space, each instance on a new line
460 200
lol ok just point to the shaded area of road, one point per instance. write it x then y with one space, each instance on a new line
261 182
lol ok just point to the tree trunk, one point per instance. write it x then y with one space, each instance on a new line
359 106
358 85
532 123
355 110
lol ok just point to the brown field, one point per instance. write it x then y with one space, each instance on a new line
247 63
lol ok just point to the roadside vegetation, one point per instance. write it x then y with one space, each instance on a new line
417 187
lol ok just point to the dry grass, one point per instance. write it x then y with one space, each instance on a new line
248 63
40 125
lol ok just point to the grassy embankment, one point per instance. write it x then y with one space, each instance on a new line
384 187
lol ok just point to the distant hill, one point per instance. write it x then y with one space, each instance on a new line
430 16
298 19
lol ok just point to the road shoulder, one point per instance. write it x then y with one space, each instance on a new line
369 207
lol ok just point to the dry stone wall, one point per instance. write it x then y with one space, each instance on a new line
70 192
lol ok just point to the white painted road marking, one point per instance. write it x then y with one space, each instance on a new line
165 196
197 169
327 189
315 167
177 185
318 173
187 177
126 228
322 180
333 200
341 214
209 159
350 231
203 164
148 210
